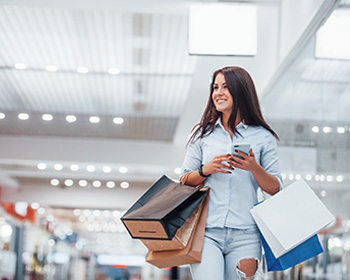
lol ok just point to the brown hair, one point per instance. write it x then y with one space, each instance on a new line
245 100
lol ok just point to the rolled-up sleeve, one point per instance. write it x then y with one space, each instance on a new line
193 157
269 158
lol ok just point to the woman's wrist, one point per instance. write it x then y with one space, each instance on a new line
202 172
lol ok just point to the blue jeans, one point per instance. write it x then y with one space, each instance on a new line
223 249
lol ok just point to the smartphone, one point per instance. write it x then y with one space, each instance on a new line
240 147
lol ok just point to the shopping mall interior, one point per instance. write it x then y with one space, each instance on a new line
98 98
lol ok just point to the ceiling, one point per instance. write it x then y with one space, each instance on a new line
138 69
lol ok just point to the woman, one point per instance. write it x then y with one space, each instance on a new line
231 248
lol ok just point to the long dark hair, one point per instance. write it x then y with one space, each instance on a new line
245 101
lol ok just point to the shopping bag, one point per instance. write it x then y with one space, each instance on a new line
181 237
190 254
162 209
304 251
290 217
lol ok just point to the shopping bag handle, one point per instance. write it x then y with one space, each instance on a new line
184 178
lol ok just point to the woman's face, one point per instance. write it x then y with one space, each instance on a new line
221 96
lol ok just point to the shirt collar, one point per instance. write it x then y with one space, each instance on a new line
241 124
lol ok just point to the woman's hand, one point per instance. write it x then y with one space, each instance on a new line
248 163
215 165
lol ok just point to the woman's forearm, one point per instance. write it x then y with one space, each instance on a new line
194 179
267 182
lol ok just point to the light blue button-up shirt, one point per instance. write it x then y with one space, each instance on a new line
233 195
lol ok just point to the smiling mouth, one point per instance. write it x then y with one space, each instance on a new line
219 101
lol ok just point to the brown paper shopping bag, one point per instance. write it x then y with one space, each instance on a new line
190 254
181 237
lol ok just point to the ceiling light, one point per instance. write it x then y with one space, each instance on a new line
47 117
332 40
96 213
340 178
96 184
315 129
94 119
177 171
323 193
107 169
90 168
71 118
23 116
54 182
291 176
308 177
82 183
68 182
41 210
123 169
20 66
284 176
297 176
329 178
87 212
76 212
341 130
110 184
322 178
35 205
317 177
51 68
222 29
113 71
82 218
327 129
118 120
74 167
124 185
106 213
116 213
42 166
82 70
2 116
58 166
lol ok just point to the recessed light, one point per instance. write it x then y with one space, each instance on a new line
71 118
113 71
96 184
315 129
118 120
308 177
110 184
51 68
94 119
82 183
341 130
47 117
82 70
327 129
2 116
20 66
124 185
54 182
107 169
340 178
123 169
76 212
58 166
90 168
68 182
23 116
42 166
74 167
323 193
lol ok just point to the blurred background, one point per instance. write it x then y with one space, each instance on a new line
97 100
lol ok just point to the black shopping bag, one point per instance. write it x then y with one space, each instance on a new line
162 209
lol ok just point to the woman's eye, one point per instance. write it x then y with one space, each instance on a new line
215 88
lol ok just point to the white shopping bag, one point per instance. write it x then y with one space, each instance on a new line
290 217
